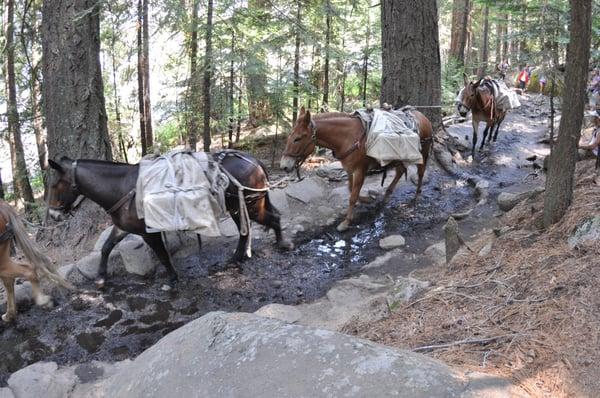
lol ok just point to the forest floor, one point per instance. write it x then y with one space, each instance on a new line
132 313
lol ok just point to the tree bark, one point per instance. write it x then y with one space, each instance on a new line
140 76
560 181
458 33
120 139
327 44
365 67
238 127
231 87
485 44
146 70
193 89
411 68
296 66
73 95
207 77
19 167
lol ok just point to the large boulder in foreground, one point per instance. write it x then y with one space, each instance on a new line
244 355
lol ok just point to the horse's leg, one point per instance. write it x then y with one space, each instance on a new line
11 308
400 170
359 178
500 120
475 128
155 242
116 235
238 255
485 133
421 167
199 243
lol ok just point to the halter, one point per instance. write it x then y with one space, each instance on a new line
313 140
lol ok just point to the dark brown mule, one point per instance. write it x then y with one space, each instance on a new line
345 136
111 185
479 98
40 265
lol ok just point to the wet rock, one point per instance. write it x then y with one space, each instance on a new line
391 242
506 200
307 190
138 258
404 290
42 379
587 234
91 342
437 252
451 238
461 215
102 238
382 260
240 354
278 199
482 190
332 172
285 313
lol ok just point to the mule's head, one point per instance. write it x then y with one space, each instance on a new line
467 96
62 191
300 143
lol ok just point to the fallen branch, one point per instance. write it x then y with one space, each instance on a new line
465 341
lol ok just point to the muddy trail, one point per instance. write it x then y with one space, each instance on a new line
132 313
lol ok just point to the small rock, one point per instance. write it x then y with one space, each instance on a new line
391 242
587 234
452 238
166 288
506 200
102 238
286 313
325 211
437 252
6 392
461 215
404 290
138 258
89 265
42 379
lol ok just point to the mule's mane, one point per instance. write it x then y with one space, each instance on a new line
103 162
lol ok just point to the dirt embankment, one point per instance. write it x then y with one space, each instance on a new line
529 309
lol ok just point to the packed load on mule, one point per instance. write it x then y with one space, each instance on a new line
392 135
40 266
348 138
178 191
488 100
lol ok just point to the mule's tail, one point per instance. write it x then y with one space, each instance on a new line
39 261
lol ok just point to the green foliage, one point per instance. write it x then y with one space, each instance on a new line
452 82
168 134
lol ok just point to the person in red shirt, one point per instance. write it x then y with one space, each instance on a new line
523 77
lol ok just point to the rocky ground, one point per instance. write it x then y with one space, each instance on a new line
334 281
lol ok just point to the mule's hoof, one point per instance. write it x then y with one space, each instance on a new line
344 225
100 283
8 317
286 244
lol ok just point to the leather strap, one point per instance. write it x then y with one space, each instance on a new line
121 202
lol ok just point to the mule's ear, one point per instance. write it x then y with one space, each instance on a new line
307 117
302 110
55 166
465 78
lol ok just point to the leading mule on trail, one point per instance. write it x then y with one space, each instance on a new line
479 98
112 186
346 137
40 266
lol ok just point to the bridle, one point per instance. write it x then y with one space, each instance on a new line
73 186
299 156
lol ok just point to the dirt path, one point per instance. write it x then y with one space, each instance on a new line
133 313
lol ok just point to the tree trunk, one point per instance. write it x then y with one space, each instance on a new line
560 181
411 68
458 34
207 77
73 95
296 66
498 44
231 87
365 68
485 44
146 61
505 41
238 127
140 75
120 139
19 167
327 43
193 89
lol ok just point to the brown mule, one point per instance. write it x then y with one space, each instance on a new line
11 228
345 136
478 97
